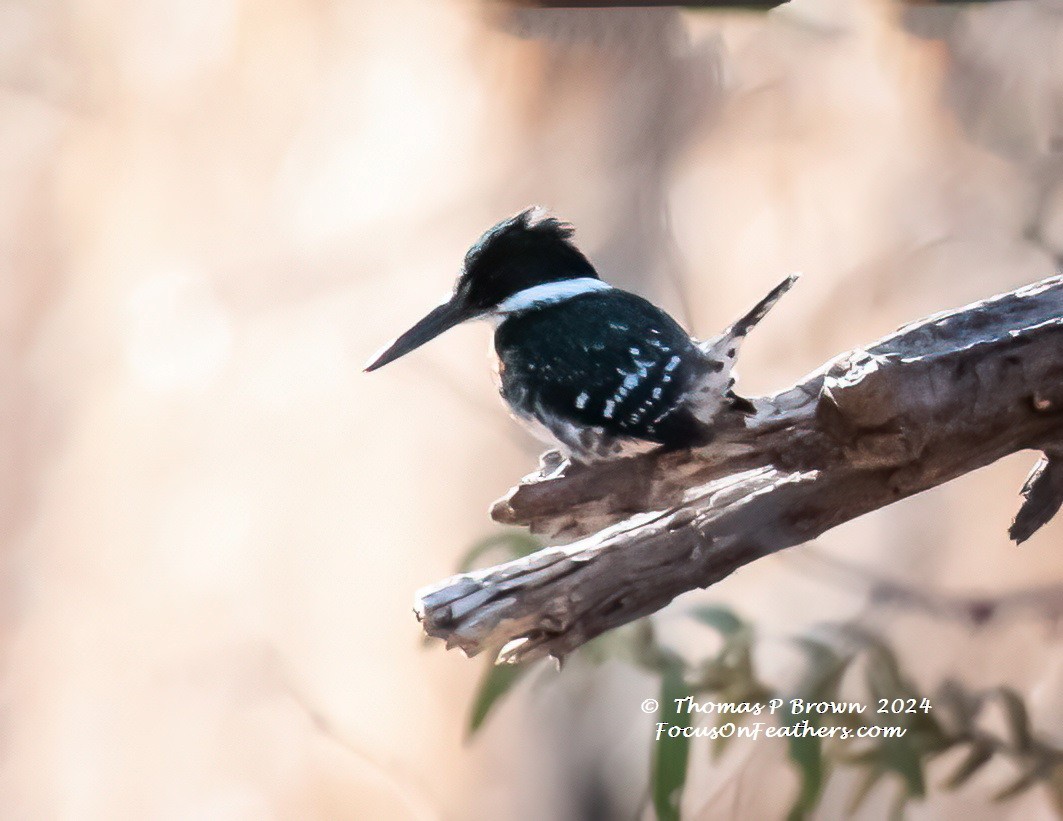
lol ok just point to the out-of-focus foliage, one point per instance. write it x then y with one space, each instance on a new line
843 663
508 545
671 753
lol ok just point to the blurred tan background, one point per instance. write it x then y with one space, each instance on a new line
213 523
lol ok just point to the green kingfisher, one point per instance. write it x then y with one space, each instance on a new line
599 371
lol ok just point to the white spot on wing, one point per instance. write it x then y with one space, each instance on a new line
581 400
609 407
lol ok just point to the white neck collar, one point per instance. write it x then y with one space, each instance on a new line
549 293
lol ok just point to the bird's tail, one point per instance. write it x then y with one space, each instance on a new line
726 345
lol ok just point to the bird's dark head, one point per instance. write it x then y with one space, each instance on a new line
528 251
521 252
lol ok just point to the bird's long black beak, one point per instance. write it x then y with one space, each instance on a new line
443 318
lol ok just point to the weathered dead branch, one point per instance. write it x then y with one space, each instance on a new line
937 399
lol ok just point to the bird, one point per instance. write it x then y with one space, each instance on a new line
594 370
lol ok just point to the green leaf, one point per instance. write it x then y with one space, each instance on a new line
807 753
904 759
721 619
958 706
1017 717
826 668
670 753
820 653
711 676
976 757
497 681
884 678
510 544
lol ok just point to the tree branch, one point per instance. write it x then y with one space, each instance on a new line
935 400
